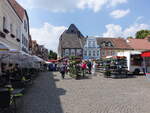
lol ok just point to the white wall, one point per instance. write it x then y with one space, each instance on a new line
128 54
91 48
12 18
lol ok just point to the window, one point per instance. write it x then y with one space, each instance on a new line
103 44
109 52
25 26
66 52
103 52
136 60
89 53
93 53
72 52
109 44
113 53
79 52
98 53
93 43
89 43
85 53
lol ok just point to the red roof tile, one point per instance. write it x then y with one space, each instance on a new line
18 8
118 43
139 44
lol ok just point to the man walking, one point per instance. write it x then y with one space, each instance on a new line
89 64
62 70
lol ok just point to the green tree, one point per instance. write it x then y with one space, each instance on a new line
130 37
52 55
142 34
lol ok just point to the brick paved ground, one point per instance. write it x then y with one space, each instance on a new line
51 94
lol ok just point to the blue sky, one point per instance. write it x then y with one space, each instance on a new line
108 18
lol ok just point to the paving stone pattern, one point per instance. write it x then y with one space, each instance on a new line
51 94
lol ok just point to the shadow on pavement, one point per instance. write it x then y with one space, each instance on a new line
43 96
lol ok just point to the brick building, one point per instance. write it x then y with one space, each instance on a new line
110 46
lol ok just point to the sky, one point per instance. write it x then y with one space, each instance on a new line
100 18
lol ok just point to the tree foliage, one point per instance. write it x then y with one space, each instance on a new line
52 55
130 37
142 34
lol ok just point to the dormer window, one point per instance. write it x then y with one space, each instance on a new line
109 44
103 44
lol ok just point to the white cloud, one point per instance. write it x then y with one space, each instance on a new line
116 2
69 5
113 30
119 13
95 5
131 30
139 19
117 31
48 35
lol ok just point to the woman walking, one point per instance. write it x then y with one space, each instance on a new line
83 66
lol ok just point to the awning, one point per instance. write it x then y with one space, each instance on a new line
52 60
146 54
3 49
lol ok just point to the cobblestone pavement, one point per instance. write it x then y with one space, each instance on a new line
51 94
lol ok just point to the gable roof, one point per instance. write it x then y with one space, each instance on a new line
139 44
71 38
70 41
118 43
18 8
74 30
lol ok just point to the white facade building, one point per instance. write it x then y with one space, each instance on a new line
14 26
91 50
10 26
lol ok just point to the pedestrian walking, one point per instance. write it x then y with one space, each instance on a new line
83 66
62 70
93 68
89 65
